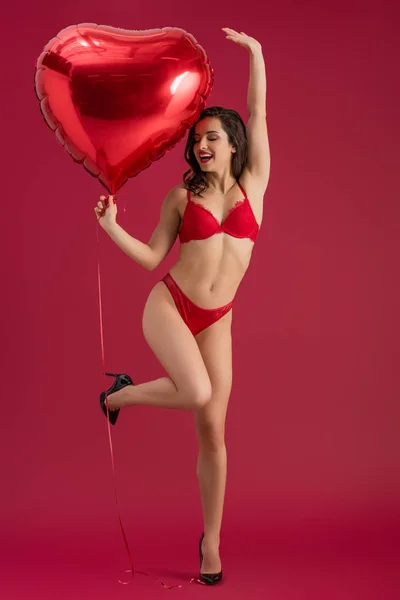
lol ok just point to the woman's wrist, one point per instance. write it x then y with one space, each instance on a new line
110 227
255 49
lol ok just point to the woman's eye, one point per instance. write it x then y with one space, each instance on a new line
214 139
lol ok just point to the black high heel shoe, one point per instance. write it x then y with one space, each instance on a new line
208 578
121 381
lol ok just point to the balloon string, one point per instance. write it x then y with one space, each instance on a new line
132 570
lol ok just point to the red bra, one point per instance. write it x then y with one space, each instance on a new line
198 223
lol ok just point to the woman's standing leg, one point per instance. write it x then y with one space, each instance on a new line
215 344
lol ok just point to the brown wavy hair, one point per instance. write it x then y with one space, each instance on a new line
195 179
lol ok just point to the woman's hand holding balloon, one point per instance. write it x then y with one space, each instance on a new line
106 212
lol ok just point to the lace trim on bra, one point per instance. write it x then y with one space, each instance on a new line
228 213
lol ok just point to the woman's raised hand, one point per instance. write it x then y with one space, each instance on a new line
242 39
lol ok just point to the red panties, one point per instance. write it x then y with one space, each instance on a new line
195 317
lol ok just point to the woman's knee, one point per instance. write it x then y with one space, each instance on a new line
201 393
210 433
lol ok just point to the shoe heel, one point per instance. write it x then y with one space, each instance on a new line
208 578
201 553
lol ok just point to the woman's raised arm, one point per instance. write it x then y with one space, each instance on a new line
259 159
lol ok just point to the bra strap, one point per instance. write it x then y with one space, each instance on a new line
242 190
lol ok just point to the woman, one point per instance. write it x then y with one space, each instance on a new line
187 318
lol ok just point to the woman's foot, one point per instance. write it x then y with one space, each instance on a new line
211 559
111 397
112 400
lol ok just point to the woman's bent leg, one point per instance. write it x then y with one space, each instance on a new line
188 386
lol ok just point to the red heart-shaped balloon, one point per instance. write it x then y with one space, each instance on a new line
119 99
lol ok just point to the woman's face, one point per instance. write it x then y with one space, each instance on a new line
211 145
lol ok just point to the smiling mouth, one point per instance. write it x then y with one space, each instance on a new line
205 158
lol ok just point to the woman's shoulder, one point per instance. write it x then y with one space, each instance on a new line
177 197
180 188
177 192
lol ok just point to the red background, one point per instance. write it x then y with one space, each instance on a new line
313 495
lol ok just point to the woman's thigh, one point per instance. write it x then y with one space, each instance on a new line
215 345
174 345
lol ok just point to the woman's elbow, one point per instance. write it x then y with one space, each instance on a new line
153 261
